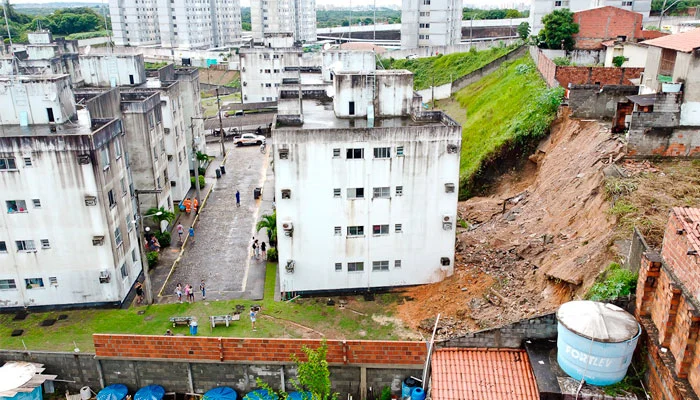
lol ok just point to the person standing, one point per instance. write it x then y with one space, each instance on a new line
192 234
180 231
190 293
253 315
178 292
255 249
263 250
195 205
238 198
139 292
203 289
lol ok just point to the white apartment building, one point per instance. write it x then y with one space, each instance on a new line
277 16
264 69
184 24
347 60
105 69
362 202
44 55
430 23
540 8
66 233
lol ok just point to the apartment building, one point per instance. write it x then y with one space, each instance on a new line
107 69
184 24
265 68
540 8
44 55
366 186
276 16
66 234
430 23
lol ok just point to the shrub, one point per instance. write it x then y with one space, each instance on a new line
152 258
163 238
618 282
272 255
618 61
561 61
202 181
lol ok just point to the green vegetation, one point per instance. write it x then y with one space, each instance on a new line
679 8
340 17
442 69
88 35
152 257
61 22
561 61
614 283
618 187
202 181
618 61
155 65
524 30
506 112
498 13
559 29
269 222
273 321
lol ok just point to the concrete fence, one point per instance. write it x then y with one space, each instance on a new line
431 51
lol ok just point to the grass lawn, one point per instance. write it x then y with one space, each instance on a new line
210 106
313 313
445 68
510 107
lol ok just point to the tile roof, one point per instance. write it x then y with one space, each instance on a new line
690 218
482 374
685 42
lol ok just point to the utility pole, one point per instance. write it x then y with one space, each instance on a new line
148 290
196 161
664 9
221 124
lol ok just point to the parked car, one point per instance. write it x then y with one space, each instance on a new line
249 139
231 132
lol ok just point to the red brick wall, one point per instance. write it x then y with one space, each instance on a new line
352 352
605 23
600 75
664 308
646 286
547 68
675 253
683 342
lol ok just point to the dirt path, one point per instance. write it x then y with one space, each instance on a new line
545 246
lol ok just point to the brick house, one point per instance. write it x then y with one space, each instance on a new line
668 307
598 25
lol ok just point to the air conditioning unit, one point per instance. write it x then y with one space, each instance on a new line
243 69
84 159
452 148
166 131
288 228
90 200
444 261
284 154
245 83
98 240
447 221
449 188
104 277
290 266
286 193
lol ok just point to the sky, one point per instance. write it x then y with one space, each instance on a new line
480 3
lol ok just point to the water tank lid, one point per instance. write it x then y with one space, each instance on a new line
598 321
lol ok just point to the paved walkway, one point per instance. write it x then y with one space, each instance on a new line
220 252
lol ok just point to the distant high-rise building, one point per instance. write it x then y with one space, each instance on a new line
430 23
186 24
279 16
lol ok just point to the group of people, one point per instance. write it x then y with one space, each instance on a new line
189 205
188 291
181 231
259 250
152 243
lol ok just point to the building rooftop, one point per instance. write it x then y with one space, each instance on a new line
690 218
33 78
319 114
477 374
685 42
82 125
155 83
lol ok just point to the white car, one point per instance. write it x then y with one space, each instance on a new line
249 139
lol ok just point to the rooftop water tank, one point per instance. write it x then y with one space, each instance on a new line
595 341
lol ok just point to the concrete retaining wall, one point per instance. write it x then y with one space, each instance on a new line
592 101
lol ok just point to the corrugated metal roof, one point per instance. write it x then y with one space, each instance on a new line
482 374
690 218
643 99
685 42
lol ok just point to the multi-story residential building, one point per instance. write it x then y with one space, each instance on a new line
265 68
366 186
347 60
185 24
44 55
66 232
430 23
107 69
540 8
277 16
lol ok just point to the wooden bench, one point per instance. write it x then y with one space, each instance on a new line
181 320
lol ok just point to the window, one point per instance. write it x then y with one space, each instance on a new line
399 190
129 225
399 151
380 265
336 192
37 203
118 237
397 263
626 4
45 244
122 183
426 2
382 152
7 163
356 266
380 229
117 149
3 247
356 231
398 228
110 196
7 284
338 231
668 62
336 153
25 245
27 161
356 193
104 156
133 255
381 192
14 206
33 283
53 281
124 271
338 266
351 154
557 3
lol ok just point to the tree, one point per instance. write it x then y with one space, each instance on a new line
269 222
164 216
559 29
313 375
524 30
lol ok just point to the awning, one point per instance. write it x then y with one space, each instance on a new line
643 99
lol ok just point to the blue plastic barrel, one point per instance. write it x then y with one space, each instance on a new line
221 393
193 328
407 387
418 394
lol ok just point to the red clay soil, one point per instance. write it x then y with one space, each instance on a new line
545 246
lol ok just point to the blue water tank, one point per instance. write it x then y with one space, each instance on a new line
418 394
595 341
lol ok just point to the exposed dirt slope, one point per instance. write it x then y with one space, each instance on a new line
543 247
